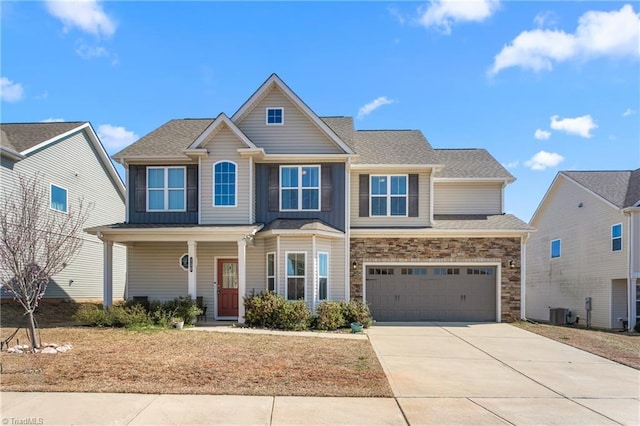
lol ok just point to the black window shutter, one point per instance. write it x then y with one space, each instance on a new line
192 188
327 189
140 177
364 195
413 195
274 189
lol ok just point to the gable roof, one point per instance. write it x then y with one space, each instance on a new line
619 187
168 140
28 138
21 137
275 81
470 164
220 120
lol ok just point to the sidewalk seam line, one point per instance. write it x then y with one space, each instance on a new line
273 407
144 408
485 408
406 420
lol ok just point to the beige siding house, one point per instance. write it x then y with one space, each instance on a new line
71 163
276 198
586 247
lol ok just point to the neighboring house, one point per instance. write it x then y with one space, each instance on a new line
587 245
277 198
72 164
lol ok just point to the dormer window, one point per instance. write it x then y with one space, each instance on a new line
275 116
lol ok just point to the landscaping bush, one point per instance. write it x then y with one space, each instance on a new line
128 316
356 311
92 315
330 316
270 310
183 307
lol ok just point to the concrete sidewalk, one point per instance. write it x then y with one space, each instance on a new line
134 409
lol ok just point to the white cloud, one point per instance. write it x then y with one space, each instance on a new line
52 120
395 13
442 14
86 15
545 19
629 112
373 105
599 34
10 91
88 52
542 135
115 137
581 126
544 160
512 164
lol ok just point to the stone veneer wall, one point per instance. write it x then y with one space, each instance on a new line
445 250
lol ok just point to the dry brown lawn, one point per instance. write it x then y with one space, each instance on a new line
620 347
192 362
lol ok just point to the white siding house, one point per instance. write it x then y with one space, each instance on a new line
586 247
70 159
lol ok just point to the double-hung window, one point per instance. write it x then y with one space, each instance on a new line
271 272
388 195
616 237
323 276
300 188
224 184
555 248
296 267
166 189
58 199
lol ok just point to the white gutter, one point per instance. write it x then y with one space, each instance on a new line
347 230
523 275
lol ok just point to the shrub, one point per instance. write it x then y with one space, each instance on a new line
330 315
356 311
93 315
128 316
637 327
270 310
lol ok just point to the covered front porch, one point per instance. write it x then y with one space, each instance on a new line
164 262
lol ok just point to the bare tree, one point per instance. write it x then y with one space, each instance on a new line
36 243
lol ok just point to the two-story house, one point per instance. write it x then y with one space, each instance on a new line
70 161
587 246
277 198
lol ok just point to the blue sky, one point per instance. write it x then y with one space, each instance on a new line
543 86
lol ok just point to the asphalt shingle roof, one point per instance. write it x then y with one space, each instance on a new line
168 140
22 136
470 163
620 187
507 222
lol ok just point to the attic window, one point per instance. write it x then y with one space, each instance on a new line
275 116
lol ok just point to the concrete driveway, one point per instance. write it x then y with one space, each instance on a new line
459 373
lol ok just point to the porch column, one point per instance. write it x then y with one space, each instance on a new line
242 278
192 273
107 274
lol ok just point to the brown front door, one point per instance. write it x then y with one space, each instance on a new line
227 287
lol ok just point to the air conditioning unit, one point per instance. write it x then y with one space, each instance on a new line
558 316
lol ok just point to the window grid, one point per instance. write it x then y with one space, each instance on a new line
616 237
166 188
296 268
275 116
479 271
299 188
388 195
58 198
323 276
413 271
224 184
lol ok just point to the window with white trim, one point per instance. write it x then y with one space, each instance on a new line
275 116
299 188
616 237
166 189
555 249
271 272
225 184
296 267
58 199
388 195
323 276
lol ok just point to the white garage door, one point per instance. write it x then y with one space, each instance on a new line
420 293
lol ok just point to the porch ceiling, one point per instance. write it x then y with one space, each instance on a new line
123 232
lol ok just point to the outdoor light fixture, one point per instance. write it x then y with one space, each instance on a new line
512 264
354 264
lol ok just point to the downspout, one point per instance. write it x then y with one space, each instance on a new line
631 285
347 230
431 196
199 190
126 192
523 275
